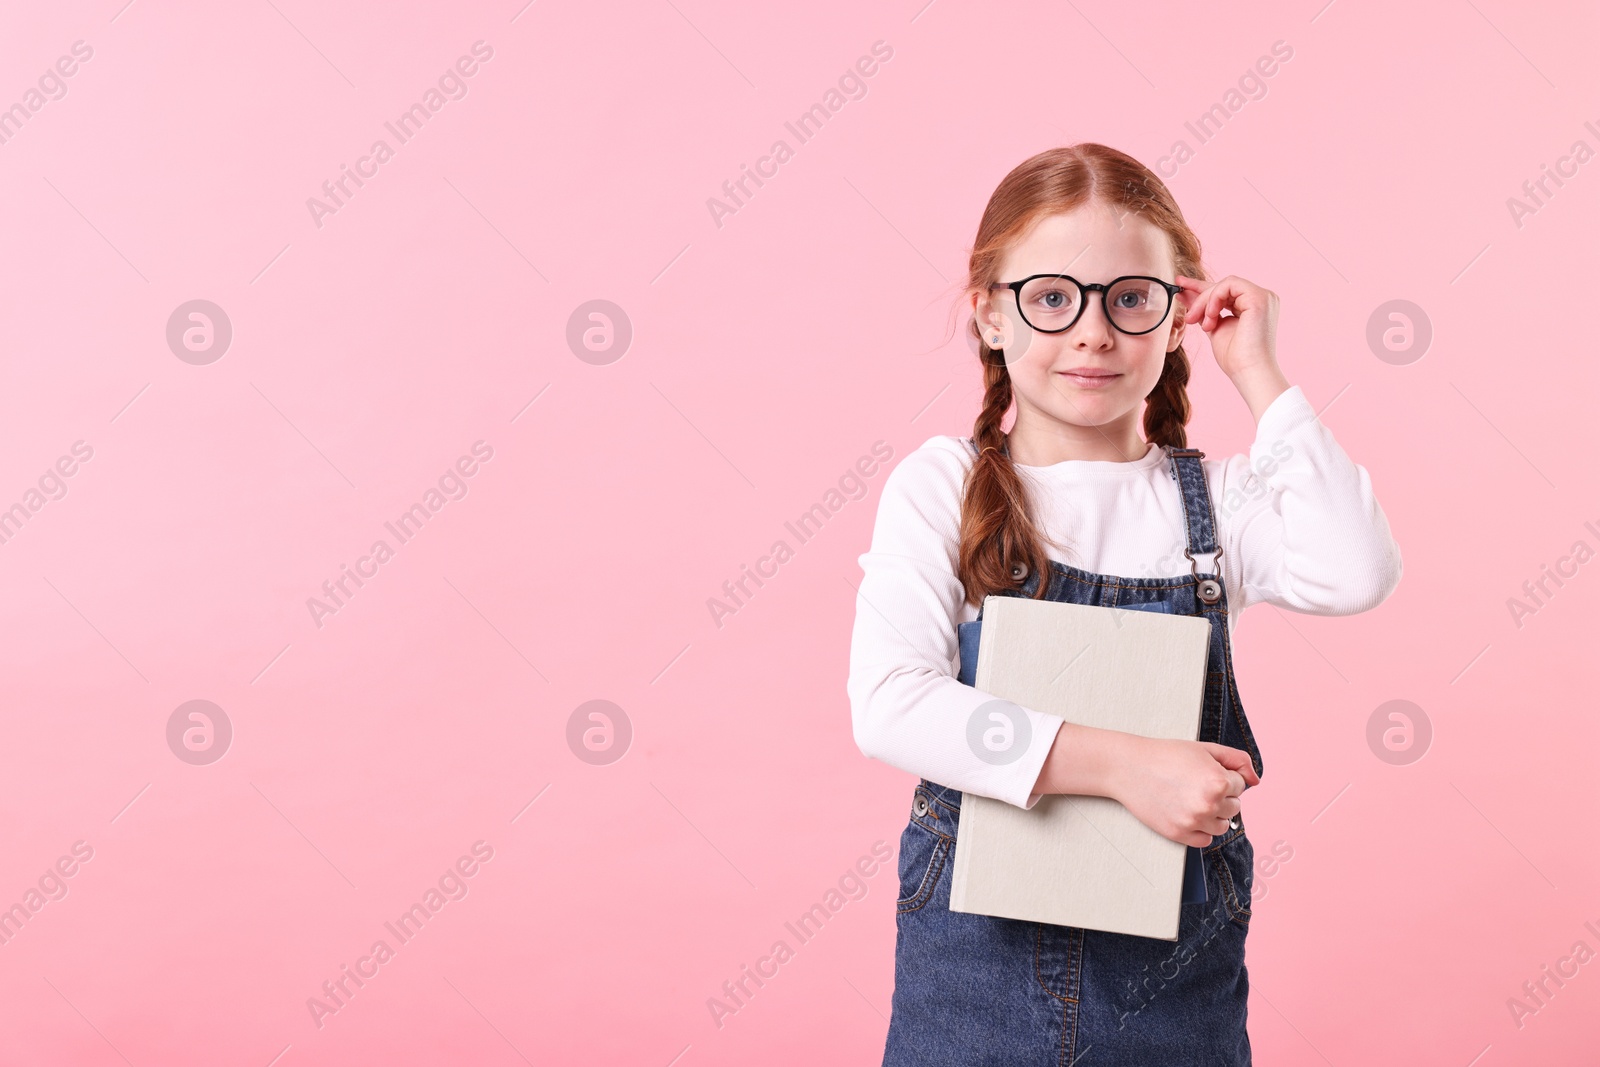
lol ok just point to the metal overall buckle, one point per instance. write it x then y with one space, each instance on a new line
1209 589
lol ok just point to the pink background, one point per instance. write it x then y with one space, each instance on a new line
768 355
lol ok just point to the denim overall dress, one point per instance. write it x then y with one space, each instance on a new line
978 989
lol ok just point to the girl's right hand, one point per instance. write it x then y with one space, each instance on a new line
1185 791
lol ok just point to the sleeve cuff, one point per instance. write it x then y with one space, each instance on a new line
1028 768
1286 419
1288 410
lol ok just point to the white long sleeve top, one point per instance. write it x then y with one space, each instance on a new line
1297 520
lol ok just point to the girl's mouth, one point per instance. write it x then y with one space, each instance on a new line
1089 380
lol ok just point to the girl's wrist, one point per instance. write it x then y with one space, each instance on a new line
1089 761
1123 759
1260 385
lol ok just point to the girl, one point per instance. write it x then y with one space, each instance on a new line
1083 281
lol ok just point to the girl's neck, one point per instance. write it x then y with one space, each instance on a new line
1117 442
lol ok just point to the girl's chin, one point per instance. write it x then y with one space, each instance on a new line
1090 415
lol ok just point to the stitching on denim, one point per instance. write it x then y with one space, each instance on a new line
1077 980
1066 1010
1183 498
1226 838
930 878
1209 519
1240 717
1038 974
1117 583
1196 483
1230 894
1216 694
1176 582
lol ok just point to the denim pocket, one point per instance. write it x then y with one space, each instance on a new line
923 856
924 851
1235 863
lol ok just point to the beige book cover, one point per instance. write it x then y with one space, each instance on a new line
1080 860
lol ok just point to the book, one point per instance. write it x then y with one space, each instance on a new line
1075 860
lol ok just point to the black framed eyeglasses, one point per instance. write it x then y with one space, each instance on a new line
1051 303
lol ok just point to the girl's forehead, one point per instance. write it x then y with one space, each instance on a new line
1090 241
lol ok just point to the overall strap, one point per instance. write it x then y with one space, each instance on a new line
1199 522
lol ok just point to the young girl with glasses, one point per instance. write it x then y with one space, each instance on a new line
1083 282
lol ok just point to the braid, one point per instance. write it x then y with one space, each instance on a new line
995 510
1167 407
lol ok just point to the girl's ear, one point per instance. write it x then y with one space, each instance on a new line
991 321
980 306
1179 309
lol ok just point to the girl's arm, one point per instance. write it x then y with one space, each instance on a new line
1301 519
912 712
907 705
1298 517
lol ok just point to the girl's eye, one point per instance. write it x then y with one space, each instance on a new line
1133 294
1054 299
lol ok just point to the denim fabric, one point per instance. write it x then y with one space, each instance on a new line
977 989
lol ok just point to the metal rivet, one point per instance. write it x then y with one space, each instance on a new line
1234 822
921 806
1019 571
1210 590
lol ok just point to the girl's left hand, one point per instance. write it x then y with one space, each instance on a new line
1244 342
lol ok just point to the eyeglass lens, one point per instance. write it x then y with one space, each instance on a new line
1135 305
